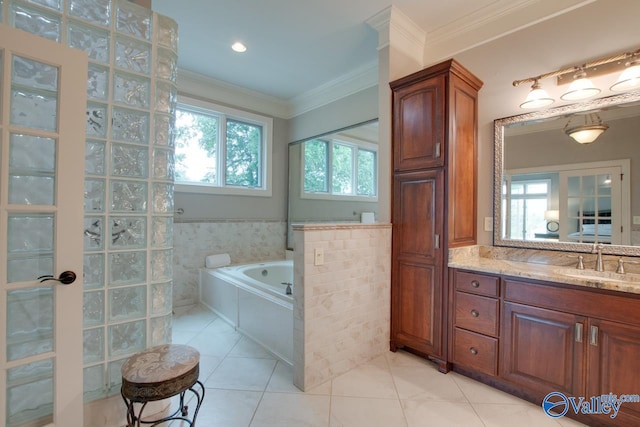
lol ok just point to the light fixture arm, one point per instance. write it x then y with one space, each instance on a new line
574 69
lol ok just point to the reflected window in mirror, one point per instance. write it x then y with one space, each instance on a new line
311 177
339 167
529 200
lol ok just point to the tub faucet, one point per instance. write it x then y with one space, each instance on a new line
288 290
597 249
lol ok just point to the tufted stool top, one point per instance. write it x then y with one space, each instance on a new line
160 372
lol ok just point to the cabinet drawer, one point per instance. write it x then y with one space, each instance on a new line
475 351
476 283
477 313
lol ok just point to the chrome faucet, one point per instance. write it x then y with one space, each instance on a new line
597 249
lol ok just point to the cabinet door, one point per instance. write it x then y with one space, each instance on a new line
417 280
614 353
543 350
418 216
419 125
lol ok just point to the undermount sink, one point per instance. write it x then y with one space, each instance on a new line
601 276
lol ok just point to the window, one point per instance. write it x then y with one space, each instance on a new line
529 201
222 150
336 169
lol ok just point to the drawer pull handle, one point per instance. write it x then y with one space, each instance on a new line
475 313
475 284
473 351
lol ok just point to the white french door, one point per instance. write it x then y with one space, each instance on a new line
593 209
42 108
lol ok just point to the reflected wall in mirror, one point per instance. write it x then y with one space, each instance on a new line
552 192
333 177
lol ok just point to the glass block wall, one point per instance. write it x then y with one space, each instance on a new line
129 169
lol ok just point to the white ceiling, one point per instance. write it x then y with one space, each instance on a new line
295 46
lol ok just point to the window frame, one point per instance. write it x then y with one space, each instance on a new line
356 145
224 113
525 197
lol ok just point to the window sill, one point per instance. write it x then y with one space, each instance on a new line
222 191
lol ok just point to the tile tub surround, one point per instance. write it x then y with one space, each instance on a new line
341 308
244 241
550 266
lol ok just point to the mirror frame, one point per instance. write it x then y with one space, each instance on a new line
499 125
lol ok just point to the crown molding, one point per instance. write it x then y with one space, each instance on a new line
492 22
397 29
198 86
407 35
381 23
355 81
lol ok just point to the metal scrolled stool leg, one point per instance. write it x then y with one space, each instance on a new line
159 373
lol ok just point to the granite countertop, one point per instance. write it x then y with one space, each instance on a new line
542 265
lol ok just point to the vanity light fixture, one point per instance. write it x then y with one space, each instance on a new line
587 132
239 47
630 77
581 87
537 98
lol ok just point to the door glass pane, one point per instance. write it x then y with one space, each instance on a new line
34 95
31 170
33 109
573 186
604 184
30 233
589 185
34 74
29 246
29 322
30 393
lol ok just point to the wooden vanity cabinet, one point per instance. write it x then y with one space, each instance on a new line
550 337
475 321
542 349
613 364
433 201
578 341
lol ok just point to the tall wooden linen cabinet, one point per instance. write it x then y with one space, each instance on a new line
435 120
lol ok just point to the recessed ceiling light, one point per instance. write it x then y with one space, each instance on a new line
239 47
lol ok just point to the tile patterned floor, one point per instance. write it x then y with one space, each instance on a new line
246 386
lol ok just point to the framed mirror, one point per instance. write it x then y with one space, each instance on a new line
554 190
333 177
